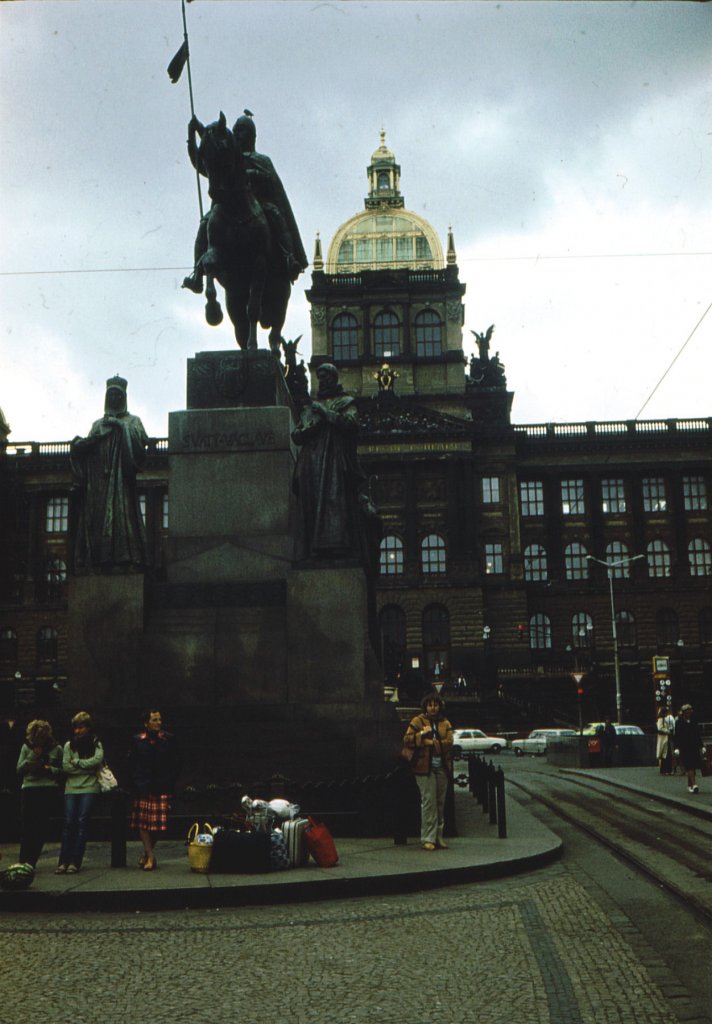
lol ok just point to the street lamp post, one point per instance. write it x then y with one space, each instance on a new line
610 566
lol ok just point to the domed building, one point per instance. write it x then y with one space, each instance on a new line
387 294
490 576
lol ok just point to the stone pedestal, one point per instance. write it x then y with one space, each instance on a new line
261 665
328 648
232 512
106 618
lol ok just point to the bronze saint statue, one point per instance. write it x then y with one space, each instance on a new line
327 479
110 533
249 240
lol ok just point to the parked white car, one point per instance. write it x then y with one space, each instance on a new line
621 730
537 740
474 741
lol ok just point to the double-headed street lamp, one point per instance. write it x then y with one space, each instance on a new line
610 566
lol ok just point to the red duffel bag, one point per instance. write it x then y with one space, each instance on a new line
320 844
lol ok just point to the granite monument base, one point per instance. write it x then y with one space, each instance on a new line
105 630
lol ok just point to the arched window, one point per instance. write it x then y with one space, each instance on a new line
700 555
428 334
344 337
658 558
346 252
667 629
8 644
536 566
55 578
540 632
436 642
706 625
582 630
393 639
432 554
391 556
625 629
386 335
575 561
616 551
47 644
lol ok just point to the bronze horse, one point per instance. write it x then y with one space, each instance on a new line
240 253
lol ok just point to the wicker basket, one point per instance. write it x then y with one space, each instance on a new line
199 854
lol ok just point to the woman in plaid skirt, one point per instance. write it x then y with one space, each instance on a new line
153 765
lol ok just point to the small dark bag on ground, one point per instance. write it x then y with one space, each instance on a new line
240 853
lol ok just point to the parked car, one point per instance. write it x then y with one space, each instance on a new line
537 740
474 741
622 730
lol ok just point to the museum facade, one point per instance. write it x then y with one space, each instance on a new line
526 561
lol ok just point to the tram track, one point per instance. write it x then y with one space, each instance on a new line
670 847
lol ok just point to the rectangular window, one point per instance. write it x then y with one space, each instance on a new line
695 492
404 247
612 497
490 490
532 497
364 250
494 562
384 250
572 500
164 512
57 519
654 494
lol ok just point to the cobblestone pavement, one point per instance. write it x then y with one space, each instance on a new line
535 949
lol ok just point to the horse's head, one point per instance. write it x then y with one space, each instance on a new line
219 153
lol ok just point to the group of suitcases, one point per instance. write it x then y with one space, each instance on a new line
274 838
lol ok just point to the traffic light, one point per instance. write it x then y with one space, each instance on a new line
579 691
520 632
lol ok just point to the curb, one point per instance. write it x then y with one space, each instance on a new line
213 897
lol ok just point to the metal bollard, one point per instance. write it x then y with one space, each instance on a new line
484 788
491 793
501 806
119 828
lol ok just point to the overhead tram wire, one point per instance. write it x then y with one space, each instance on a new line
535 257
91 270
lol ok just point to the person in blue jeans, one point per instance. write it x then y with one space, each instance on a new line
82 756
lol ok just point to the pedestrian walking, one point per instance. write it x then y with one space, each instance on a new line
82 757
429 735
609 738
153 766
688 746
40 768
665 726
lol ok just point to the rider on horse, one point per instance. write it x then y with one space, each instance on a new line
269 192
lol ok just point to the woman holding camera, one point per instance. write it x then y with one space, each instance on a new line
429 735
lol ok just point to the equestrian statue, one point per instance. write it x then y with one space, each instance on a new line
248 241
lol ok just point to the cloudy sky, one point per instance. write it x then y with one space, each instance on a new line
569 145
